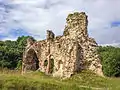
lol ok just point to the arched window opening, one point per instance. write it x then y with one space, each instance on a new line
60 65
46 63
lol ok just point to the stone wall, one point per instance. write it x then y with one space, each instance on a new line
64 55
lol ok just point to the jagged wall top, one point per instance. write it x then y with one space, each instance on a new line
76 17
75 50
76 24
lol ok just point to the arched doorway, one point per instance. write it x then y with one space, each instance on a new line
32 60
51 65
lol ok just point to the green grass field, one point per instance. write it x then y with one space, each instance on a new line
13 80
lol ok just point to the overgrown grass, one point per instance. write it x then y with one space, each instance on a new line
13 80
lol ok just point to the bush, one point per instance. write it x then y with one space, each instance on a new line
110 57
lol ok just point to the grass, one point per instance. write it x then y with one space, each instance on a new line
13 80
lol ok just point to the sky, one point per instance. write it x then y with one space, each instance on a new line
34 17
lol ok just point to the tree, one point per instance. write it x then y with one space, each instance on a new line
110 57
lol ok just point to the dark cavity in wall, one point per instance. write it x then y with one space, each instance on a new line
51 65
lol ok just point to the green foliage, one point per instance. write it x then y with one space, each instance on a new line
110 57
19 65
11 52
23 40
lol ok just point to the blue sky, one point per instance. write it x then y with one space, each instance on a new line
115 24
34 17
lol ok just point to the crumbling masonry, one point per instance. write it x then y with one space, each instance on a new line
64 55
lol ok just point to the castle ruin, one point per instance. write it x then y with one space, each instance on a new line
62 56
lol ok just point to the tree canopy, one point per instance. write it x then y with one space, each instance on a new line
110 58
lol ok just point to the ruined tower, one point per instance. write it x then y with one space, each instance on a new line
64 55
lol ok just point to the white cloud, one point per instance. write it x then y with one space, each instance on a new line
36 16
9 38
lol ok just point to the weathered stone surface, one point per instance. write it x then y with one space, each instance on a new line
64 55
